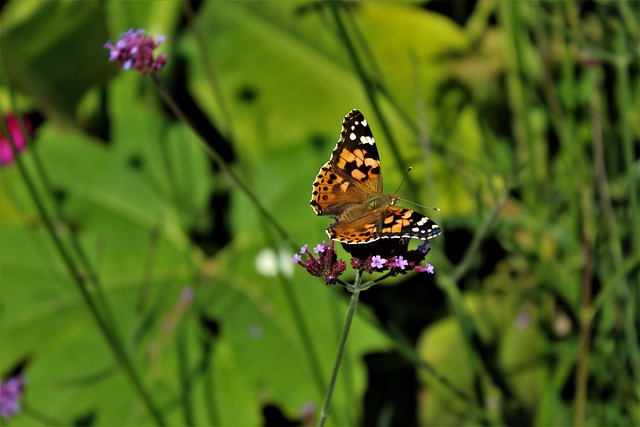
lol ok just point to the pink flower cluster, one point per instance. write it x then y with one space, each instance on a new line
325 265
134 51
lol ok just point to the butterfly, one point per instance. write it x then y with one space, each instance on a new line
349 189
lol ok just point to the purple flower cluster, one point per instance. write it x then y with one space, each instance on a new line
325 265
391 256
134 51
396 262
10 393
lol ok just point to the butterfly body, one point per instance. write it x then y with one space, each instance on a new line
349 189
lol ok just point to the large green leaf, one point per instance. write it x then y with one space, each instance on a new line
53 63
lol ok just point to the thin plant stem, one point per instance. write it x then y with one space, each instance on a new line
582 368
303 332
623 93
616 284
474 246
208 344
186 383
479 355
217 158
409 352
208 67
83 288
369 89
74 238
509 15
351 311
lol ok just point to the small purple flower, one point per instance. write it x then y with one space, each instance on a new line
320 247
187 295
296 258
134 51
307 413
523 320
377 261
393 256
10 394
428 268
303 249
401 262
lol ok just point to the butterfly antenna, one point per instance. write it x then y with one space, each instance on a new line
402 182
409 201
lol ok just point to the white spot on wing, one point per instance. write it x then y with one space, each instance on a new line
352 136
423 221
367 140
364 122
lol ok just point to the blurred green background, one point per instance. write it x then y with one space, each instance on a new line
521 121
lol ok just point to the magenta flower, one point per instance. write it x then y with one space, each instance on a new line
10 394
326 265
18 138
134 51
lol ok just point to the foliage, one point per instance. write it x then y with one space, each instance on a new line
169 297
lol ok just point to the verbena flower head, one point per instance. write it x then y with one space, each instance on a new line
134 51
391 256
10 394
325 265
18 138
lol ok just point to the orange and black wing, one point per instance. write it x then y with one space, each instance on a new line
353 171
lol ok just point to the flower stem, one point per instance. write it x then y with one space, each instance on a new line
370 90
82 283
217 158
351 311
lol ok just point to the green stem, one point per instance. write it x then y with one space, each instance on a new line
74 238
370 89
303 332
479 235
184 375
509 14
623 91
208 68
351 311
217 158
82 284
409 352
582 368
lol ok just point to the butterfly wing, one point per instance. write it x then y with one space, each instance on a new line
400 222
390 222
352 174
349 188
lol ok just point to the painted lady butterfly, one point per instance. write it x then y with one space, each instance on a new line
349 189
